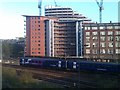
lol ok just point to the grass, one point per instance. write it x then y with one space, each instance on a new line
13 79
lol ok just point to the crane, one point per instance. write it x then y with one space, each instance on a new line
100 5
39 6
55 3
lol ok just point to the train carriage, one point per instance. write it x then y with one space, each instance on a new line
72 64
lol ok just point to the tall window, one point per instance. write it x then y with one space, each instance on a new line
87 38
117 44
110 38
110 44
102 44
110 51
87 51
117 51
117 32
87 44
102 38
95 44
109 27
101 27
87 33
117 38
102 33
94 33
110 32
102 51
94 38
94 51
94 28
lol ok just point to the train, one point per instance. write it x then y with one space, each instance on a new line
72 64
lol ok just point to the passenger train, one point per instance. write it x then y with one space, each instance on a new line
70 64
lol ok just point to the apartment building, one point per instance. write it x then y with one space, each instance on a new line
102 40
37 35
57 34
68 31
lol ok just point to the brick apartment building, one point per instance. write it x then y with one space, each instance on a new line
102 40
36 27
57 34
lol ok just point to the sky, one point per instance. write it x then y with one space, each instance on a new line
12 21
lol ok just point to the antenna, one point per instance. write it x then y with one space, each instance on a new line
39 6
100 5
55 3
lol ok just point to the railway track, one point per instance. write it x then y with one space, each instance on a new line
66 79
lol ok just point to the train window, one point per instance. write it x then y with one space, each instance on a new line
36 61
74 62
59 61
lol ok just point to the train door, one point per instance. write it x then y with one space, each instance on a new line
74 65
23 61
59 64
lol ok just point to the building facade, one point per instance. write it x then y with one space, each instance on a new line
67 31
102 40
37 38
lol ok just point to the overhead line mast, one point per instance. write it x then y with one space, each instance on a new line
40 6
55 3
100 5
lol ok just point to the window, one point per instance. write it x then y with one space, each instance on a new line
117 44
110 51
110 38
87 51
87 44
38 48
94 51
87 38
101 27
85 28
109 27
102 51
117 32
102 44
87 33
110 44
94 33
117 51
94 28
38 52
95 44
110 32
117 27
38 40
117 38
94 38
38 44
102 33
38 21
102 38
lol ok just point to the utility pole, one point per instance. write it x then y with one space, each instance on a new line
100 5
